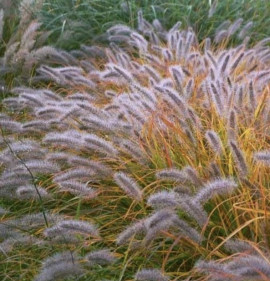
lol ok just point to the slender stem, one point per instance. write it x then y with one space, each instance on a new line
30 173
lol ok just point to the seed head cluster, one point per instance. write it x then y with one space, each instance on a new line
140 155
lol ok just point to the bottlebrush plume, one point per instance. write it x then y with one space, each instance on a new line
213 188
95 166
35 126
139 41
11 126
207 44
128 185
214 170
237 61
232 124
19 240
30 192
240 268
239 246
133 150
214 141
57 156
59 266
72 226
192 175
221 35
212 59
250 265
172 97
136 228
34 221
225 64
31 99
77 188
182 190
177 75
171 174
214 269
100 257
239 158
153 73
163 199
63 139
150 275
235 26
159 221
252 100
217 99
189 89
38 166
263 157
246 28
157 25
194 209
187 231
93 142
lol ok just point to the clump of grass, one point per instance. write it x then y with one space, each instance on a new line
158 151
19 35
82 22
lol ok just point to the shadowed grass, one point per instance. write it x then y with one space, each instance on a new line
82 22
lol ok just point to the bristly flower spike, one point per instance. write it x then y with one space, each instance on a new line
214 141
239 158
150 275
213 188
128 185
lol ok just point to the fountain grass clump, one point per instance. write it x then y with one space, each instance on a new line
145 160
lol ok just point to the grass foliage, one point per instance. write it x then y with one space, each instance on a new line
19 35
146 159
82 22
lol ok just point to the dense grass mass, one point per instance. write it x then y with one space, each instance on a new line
143 159
82 22
71 24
